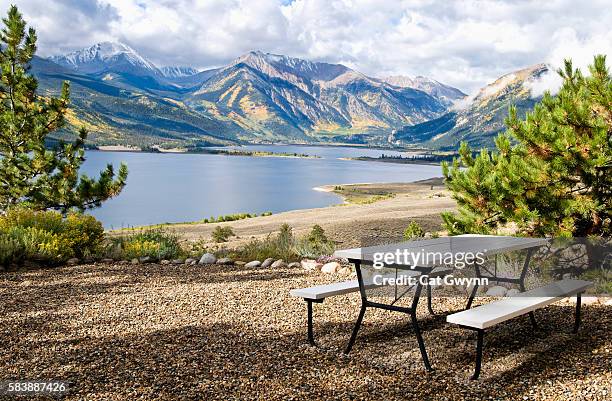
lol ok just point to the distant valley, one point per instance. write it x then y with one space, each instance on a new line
124 99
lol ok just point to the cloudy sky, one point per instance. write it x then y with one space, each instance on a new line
463 43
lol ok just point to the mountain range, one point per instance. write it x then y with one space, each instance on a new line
123 98
477 119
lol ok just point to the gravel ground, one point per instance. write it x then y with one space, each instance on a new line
214 332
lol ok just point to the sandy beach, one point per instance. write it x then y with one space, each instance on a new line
370 211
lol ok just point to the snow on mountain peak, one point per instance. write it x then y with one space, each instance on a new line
100 56
280 65
178 71
446 94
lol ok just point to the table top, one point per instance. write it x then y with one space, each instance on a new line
487 245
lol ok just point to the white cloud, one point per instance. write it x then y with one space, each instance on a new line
465 43
550 81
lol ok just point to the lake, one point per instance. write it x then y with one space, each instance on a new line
164 188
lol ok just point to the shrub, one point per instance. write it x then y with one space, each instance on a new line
285 238
155 243
279 246
11 250
140 248
256 250
46 246
222 234
46 236
314 244
233 217
413 231
84 233
284 245
196 249
24 217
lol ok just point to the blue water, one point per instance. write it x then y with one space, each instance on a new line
187 187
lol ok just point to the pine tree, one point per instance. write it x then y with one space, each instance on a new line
551 173
30 173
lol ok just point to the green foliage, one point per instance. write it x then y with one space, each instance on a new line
233 217
285 238
317 234
557 179
12 249
84 233
222 234
197 248
315 244
32 174
284 245
44 246
601 278
413 231
156 243
24 217
46 237
279 246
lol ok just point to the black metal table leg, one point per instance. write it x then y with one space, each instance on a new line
409 310
532 318
415 326
472 295
310 329
475 288
417 333
364 302
479 345
429 307
310 334
578 304
355 330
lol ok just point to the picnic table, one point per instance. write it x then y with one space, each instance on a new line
485 245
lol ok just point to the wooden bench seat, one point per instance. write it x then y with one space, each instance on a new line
486 316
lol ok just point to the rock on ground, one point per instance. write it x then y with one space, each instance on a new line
254 263
512 292
331 267
497 291
267 263
310 264
225 261
278 264
207 259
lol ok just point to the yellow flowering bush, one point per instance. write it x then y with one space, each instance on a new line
46 236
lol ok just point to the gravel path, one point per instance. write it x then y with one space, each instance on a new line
214 332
